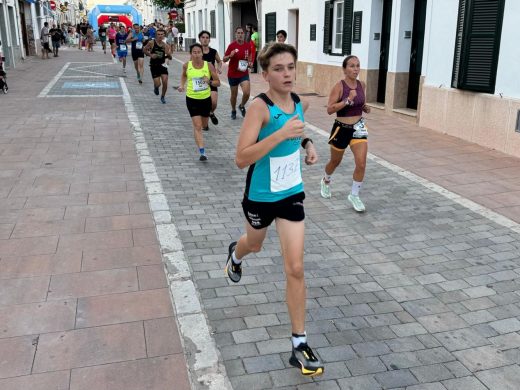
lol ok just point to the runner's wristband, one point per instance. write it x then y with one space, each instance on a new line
304 142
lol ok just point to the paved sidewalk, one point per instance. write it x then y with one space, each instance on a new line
420 292
84 302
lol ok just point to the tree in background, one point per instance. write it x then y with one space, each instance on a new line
169 4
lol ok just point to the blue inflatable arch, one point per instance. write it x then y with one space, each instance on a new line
113 9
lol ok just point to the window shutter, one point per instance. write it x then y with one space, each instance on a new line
212 23
455 78
480 45
270 27
348 8
327 27
356 28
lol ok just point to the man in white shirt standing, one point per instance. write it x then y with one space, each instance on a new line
175 33
44 39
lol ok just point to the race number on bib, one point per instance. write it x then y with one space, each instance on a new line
242 65
103 34
360 129
122 47
139 45
199 84
285 172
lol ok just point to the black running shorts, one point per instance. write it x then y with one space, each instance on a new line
261 214
137 54
342 135
158 70
199 107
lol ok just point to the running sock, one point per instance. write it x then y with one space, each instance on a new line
235 259
201 151
356 186
327 178
298 339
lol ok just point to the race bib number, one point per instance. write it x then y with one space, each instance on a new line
159 54
199 84
146 37
242 65
122 47
139 45
361 130
285 172
103 34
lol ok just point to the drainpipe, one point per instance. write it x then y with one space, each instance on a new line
19 29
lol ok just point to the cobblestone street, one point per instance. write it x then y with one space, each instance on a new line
421 292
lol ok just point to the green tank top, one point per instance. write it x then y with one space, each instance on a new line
197 88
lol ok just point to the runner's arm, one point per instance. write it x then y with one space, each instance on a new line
215 80
249 149
184 77
130 37
219 63
335 104
147 49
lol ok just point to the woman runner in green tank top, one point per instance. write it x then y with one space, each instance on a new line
197 77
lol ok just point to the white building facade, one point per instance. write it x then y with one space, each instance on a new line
22 21
449 65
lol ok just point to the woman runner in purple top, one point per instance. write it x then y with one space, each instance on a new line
347 100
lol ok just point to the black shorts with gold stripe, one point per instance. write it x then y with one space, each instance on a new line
343 135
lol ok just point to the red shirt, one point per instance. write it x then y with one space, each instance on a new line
241 58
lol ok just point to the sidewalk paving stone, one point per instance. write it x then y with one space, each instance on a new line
414 293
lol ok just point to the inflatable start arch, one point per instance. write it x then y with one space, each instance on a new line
93 15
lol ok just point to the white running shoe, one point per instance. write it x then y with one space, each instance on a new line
325 189
356 203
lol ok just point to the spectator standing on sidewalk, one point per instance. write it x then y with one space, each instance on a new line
44 38
255 45
82 28
238 53
281 36
211 55
90 40
197 78
347 101
269 144
56 38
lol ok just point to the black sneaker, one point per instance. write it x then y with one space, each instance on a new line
233 271
242 110
203 157
213 118
303 358
205 128
233 115
156 90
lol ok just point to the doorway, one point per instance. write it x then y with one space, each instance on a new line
384 49
416 53
293 26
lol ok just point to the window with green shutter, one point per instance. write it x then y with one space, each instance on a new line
337 27
356 28
270 27
212 24
477 45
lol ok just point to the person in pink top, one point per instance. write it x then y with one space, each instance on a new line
239 55
112 38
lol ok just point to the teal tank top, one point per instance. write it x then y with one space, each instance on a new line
277 175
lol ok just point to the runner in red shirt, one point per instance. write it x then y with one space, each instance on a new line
239 56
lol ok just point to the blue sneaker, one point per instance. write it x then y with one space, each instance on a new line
163 100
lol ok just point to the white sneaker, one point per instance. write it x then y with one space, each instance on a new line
325 189
356 203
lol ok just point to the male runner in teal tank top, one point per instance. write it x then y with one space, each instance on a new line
269 144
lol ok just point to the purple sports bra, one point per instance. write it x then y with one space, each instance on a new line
359 101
